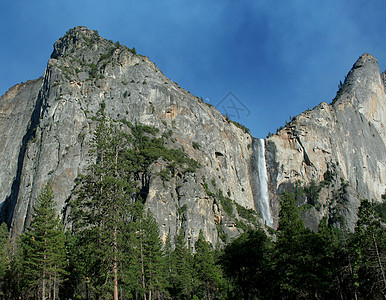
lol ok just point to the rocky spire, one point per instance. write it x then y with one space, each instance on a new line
362 80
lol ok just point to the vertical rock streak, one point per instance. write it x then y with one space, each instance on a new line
263 200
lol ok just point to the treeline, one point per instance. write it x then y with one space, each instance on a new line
46 263
299 264
113 249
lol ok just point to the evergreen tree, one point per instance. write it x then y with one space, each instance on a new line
182 271
330 260
207 275
13 281
246 262
153 262
70 285
108 209
4 258
132 272
103 210
288 256
368 252
43 249
299 255
130 279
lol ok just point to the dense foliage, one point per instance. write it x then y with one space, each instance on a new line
299 264
114 250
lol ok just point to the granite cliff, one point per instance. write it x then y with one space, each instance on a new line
47 124
340 145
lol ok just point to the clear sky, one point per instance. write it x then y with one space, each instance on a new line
269 59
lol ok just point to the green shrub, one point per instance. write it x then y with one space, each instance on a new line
328 177
226 203
213 182
242 225
312 192
221 234
245 213
165 175
242 127
196 145
93 72
381 210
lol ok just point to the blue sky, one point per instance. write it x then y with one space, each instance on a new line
276 58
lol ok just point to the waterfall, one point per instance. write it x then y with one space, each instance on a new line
261 188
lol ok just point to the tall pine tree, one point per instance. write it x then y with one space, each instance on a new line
298 255
152 259
246 263
368 252
103 210
4 258
43 249
182 269
207 274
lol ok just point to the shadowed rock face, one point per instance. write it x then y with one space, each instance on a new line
18 112
47 124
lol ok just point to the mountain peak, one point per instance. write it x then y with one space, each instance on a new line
363 77
365 59
74 39
364 72
81 28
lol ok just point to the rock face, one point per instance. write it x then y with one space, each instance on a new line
19 110
86 70
47 125
345 139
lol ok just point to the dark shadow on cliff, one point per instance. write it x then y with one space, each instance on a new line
7 209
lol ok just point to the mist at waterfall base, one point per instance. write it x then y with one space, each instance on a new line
260 181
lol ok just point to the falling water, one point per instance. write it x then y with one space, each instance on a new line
262 193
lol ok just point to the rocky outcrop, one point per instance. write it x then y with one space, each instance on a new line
345 138
48 141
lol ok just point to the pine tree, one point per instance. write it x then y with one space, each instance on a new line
13 281
103 210
246 262
43 249
153 263
331 261
207 275
297 254
132 272
182 269
4 258
368 252
108 209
